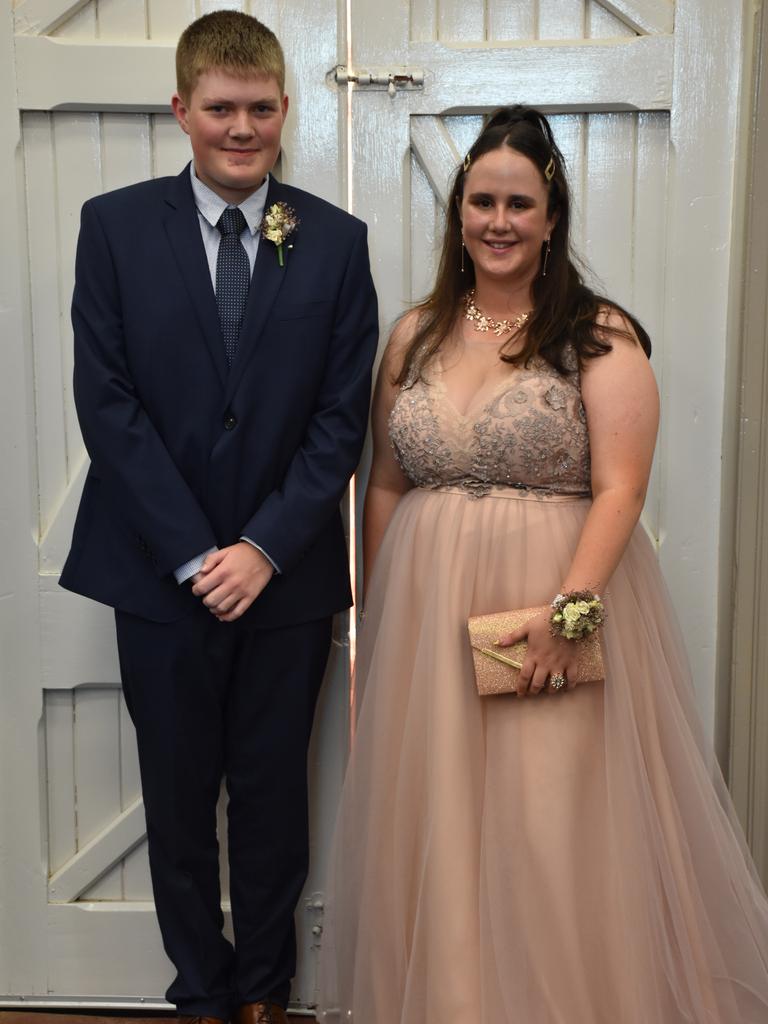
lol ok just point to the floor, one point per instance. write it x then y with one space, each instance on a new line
64 1017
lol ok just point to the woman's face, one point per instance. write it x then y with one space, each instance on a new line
504 216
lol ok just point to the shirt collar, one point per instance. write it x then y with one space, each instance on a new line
211 206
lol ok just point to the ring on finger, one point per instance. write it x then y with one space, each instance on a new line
557 681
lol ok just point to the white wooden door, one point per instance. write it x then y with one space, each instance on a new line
93 81
644 98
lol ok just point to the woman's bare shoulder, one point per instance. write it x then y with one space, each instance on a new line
612 323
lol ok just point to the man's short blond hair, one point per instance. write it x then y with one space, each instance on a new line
227 41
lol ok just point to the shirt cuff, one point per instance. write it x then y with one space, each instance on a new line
188 570
253 544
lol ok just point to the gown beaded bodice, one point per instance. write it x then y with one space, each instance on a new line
530 433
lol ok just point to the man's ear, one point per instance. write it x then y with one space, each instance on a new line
180 111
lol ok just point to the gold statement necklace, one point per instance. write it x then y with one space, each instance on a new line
484 323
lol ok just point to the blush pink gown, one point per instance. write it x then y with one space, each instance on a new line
570 859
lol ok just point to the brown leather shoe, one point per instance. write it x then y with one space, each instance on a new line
260 1013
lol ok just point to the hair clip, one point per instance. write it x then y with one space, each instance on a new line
467 162
549 170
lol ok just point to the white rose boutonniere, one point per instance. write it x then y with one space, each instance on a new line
279 223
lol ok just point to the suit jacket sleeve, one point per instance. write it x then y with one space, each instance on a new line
128 455
292 517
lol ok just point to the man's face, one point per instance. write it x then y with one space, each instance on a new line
234 125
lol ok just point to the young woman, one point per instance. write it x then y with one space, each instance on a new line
563 854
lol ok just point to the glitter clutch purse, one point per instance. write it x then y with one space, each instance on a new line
497 668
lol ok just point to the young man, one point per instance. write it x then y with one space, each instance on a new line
222 382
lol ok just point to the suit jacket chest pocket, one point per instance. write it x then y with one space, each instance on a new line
320 309
303 333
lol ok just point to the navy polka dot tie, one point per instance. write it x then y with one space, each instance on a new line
233 278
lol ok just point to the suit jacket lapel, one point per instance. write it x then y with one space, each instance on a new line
266 282
183 231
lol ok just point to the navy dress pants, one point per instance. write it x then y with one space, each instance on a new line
213 700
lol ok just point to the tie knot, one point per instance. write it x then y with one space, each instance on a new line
231 222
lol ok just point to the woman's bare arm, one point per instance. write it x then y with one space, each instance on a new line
622 405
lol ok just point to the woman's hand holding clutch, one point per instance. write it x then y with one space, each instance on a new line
547 656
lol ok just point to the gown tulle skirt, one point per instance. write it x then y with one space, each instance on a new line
563 859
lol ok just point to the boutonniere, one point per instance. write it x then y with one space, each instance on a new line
280 221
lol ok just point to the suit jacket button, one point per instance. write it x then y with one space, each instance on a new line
230 420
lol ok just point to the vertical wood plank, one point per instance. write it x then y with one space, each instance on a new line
747 716
570 131
459 21
60 777
269 12
424 17
46 302
608 202
77 142
650 267
314 137
561 19
170 146
512 19
97 772
126 152
706 118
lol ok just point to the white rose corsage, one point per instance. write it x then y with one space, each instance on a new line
576 614
279 223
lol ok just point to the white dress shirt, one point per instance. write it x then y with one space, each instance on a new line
210 207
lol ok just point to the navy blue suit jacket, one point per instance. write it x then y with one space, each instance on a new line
187 454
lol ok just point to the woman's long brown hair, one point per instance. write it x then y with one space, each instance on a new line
566 311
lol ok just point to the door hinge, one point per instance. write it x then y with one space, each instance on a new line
392 81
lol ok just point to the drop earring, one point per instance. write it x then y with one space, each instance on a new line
463 250
547 251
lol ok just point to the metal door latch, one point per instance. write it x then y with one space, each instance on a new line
400 78
315 906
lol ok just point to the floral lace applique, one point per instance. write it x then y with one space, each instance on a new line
414 435
556 397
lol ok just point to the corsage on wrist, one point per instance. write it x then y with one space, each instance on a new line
576 615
